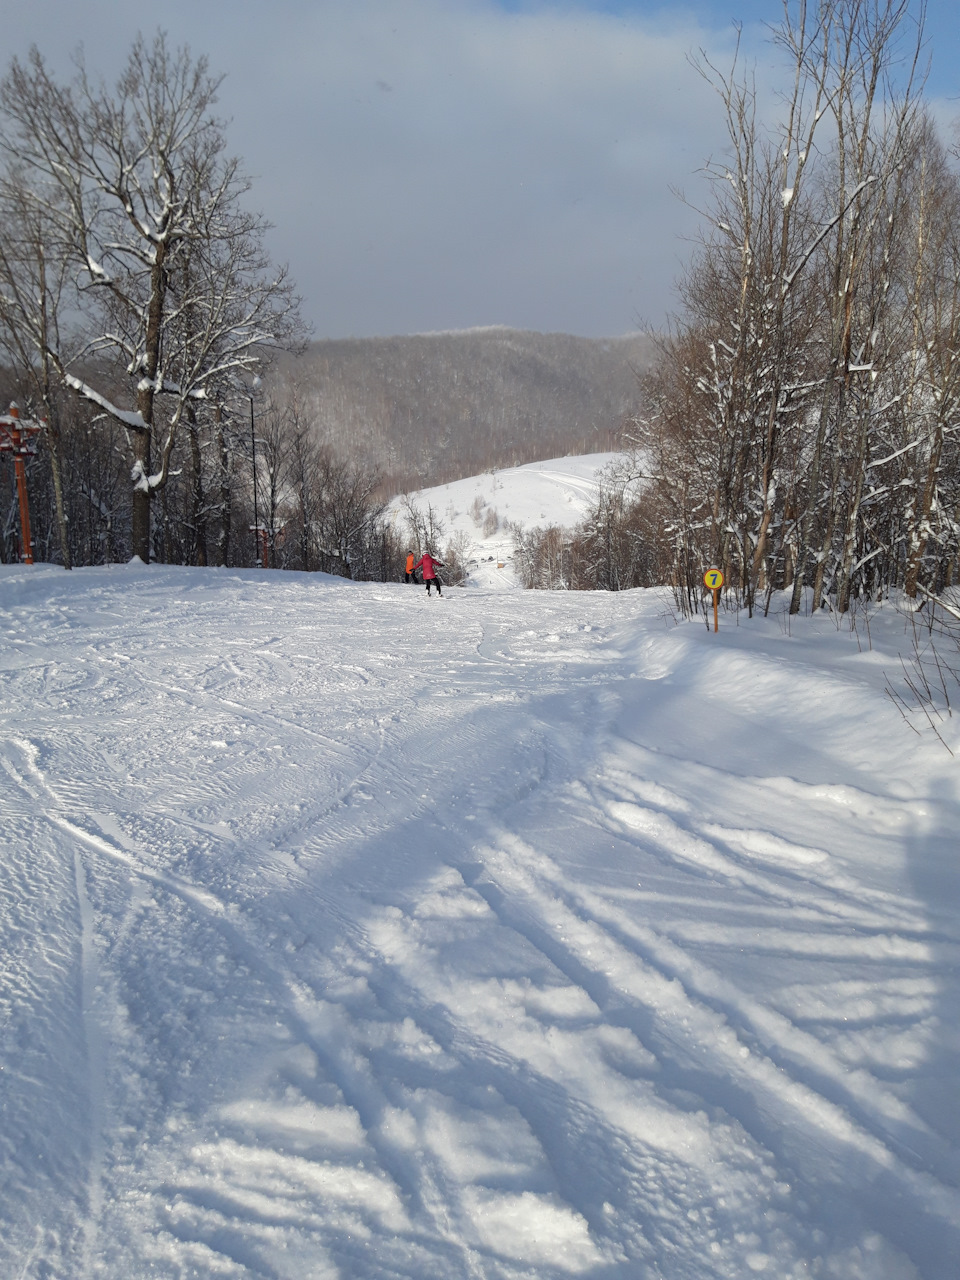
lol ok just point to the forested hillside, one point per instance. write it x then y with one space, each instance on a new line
340 428
429 408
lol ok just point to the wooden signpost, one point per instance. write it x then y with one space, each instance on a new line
713 581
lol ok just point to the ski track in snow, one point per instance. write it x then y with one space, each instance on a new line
348 933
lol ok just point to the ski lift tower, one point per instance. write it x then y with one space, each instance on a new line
19 438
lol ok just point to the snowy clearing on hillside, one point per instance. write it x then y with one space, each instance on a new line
350 933
558 491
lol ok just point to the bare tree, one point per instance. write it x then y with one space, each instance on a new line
425 526
171 283
776 390
931 367
873 119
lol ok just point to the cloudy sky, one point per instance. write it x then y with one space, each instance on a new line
441 164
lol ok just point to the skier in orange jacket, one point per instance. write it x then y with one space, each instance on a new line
410 576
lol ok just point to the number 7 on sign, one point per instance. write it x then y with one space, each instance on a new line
713 581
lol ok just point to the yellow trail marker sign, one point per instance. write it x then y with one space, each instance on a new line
713 581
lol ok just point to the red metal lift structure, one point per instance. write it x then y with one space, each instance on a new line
19 438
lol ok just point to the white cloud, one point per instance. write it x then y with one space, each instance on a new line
434 164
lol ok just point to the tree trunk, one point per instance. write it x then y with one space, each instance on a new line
53 439
853 517
146 395
806 523
198 516
140 507
169 555
223 458
918 535
830 526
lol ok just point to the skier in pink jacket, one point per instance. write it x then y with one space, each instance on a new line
429 565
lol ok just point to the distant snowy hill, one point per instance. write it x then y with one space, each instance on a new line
347 934
558 491
431 407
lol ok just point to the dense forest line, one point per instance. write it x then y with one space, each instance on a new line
429 408
800 431
800 428
337 430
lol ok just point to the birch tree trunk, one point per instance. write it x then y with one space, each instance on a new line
226 504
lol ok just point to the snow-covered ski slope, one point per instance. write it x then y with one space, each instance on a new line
347 933
558 491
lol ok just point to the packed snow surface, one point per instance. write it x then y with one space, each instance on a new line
350 933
